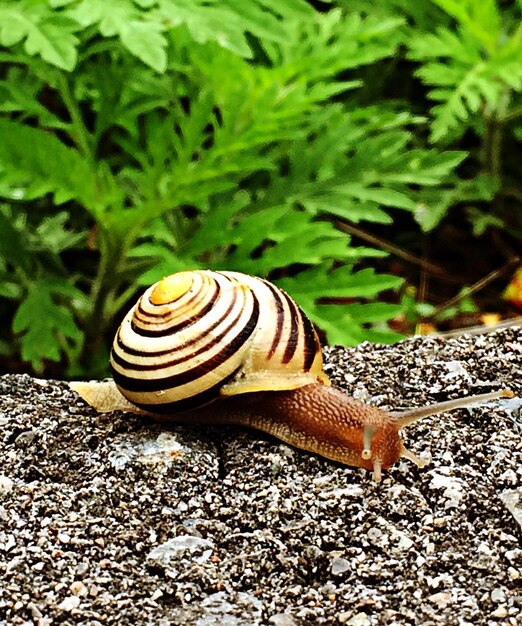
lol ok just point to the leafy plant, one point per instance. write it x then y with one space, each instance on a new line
474 73
33 274
179 134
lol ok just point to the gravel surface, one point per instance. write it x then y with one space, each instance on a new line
111 519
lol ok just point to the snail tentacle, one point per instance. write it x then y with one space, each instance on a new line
409 416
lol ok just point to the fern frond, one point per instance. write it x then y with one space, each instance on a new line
34 159
41 30
467 68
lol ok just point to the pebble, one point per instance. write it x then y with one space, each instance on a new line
173 548
78 588
282 619
498 595
441 599
339 565
359 619
500 613
512 500
69 603
6 485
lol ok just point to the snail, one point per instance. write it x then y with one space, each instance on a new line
224 347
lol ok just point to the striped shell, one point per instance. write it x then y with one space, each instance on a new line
195 336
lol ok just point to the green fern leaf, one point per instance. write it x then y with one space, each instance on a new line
480 17
344 324
44 324
43 32
12 246
141 32
468 68
31 156
347 325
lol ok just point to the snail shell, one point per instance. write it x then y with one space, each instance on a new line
199 335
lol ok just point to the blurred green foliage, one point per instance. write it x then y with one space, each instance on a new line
175 134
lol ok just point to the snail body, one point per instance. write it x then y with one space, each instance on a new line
338 435
224 347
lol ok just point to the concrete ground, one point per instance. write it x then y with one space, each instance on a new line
112 519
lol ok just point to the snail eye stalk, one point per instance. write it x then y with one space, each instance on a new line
409 416
377 467
411 456
369 430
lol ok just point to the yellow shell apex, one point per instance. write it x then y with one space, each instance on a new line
172 287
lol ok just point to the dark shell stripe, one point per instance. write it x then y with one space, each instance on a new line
192 402
183 350
220 346
200 291
139 385
154 354
147 309
152 363
170 328
298 321
311 343
179 299
293 339
280 317
130 348
145 316
186 320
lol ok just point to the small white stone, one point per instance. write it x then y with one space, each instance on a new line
498 595
441 599
78 588
453 487
70 603
512 500
405 543
483 548
6 485
340 565
282 619
10 542
457 370
501 612
173 548
513 555
374 534
35 611
359 619
82 568
156 595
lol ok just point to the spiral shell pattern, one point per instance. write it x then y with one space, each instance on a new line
198 335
